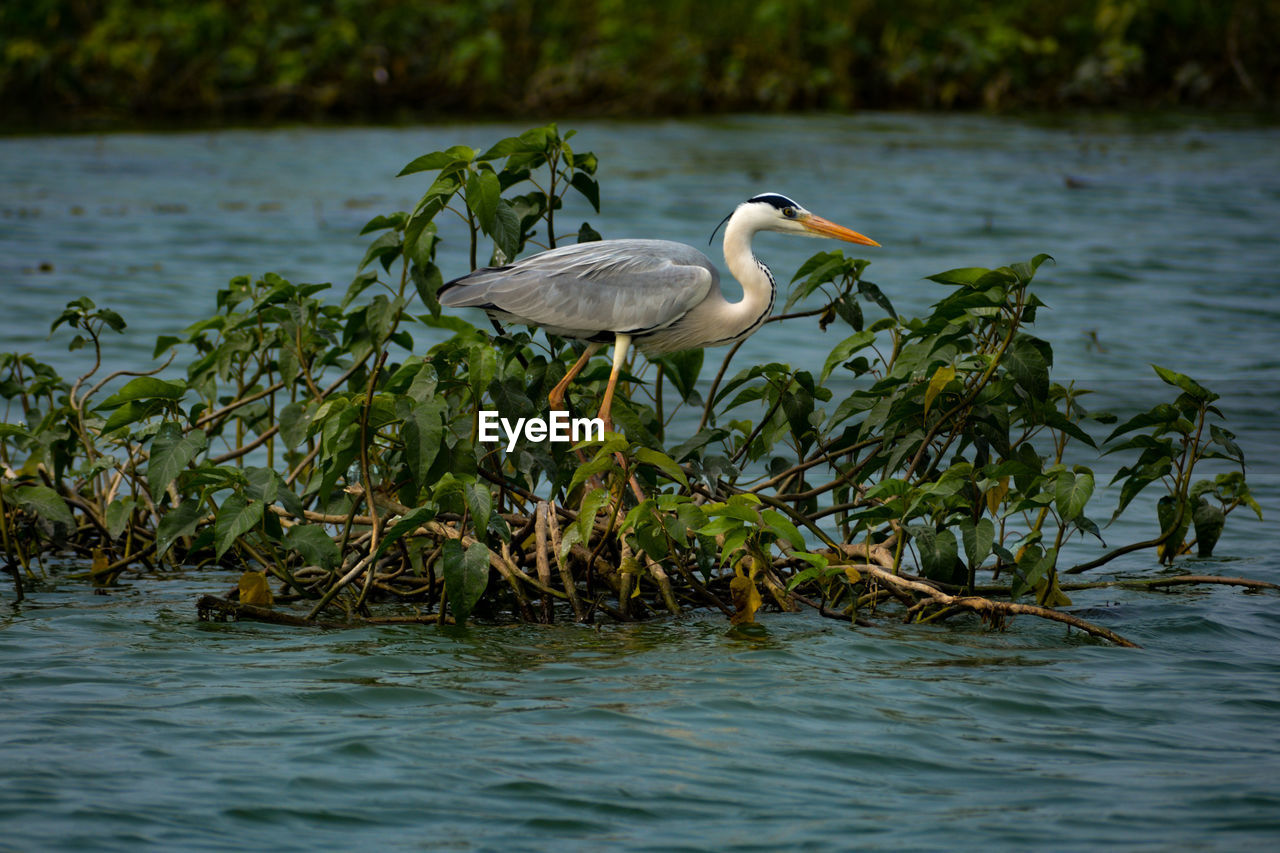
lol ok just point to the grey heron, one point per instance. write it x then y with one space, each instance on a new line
659 295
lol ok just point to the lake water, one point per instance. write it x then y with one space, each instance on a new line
129 725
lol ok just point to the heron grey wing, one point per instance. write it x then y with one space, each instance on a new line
610 285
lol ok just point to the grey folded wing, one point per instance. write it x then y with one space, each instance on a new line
621 286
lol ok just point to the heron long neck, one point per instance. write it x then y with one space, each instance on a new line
758 289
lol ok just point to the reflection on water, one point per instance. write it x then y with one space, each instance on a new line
129 724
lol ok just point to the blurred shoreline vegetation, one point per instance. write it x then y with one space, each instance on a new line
65 63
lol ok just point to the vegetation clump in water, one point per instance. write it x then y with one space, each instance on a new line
929 468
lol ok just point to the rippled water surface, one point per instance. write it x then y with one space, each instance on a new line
129 725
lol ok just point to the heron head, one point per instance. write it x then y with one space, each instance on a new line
775 212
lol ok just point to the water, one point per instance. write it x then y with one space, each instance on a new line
130 725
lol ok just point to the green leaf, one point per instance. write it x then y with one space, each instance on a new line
1172 514
1162 415
427 280
12 430
112 319
45 503
1026 271
1032 570
591 504
1226 440
480 503
381 223
314 545
506 230
176 523
466 574
529 142
1027 365
978 539
144 388
589 188
434 200
171 452
960 276
482 367
408 522
118 513
681 369
294 422
938 551
385 249
131 412
783 528
1072 491
843 350
599 465
423 436
452 158
1186 383
663 463
1209 521
873 293
1136 482
483 193
236 517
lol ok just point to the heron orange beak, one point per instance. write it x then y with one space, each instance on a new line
826 228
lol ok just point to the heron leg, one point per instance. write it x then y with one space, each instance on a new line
556 397
620 346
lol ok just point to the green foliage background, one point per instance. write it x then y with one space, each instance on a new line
73 60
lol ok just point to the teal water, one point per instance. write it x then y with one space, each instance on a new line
129 725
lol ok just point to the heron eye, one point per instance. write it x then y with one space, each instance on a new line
789 212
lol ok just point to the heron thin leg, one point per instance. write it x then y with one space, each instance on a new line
556 397
621 344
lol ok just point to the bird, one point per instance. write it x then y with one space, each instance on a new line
658 295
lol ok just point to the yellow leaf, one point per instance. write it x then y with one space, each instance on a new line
1055 597
254 589
100 560
941 377
852 574
996 496
746 600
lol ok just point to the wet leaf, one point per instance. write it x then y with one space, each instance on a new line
254 589
466 575
746 600
1209 521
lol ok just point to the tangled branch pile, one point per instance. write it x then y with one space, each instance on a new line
308 444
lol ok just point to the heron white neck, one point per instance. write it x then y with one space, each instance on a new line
716 321
746 315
